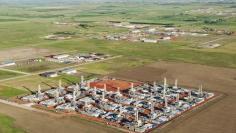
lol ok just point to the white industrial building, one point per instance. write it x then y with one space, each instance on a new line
149 40
68 71
7 64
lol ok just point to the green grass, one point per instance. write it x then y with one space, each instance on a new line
72 79
38 22
68 79
154 52
114 65
7 125
31 83
6 74
8 92
38 66
26 27
9 20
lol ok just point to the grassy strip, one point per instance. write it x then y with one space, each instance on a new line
7 125
6 74
8 92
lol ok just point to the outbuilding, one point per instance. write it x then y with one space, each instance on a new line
61 56
49 74
68 71
7 63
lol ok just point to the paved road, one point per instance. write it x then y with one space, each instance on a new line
14 71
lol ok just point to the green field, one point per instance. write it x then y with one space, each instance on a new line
68 79
25 26
111 66
38 67
6 74
164 50
37 22
7 125
8 92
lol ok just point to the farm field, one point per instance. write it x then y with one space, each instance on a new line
8 92
190 77
7 125
38 67
35 24
81 27
35 122
6 74
22 53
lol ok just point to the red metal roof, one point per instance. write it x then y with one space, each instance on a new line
112 85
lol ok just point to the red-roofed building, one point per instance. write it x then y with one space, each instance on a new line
114 84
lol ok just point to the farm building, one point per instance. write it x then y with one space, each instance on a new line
61 56
49 74
149 40
7 63
68 71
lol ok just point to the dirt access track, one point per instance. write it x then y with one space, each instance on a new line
219 117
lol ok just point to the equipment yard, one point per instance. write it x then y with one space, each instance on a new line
192 75
135 106
112 66
189 77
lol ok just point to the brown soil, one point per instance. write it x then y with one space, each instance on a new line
22 53
34 122
216 118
